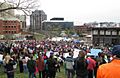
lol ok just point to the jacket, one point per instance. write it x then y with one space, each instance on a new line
91 64
51 63
81 67
9 66
31 65
69 63
40 64
109 70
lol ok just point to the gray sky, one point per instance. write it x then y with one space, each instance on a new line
81 11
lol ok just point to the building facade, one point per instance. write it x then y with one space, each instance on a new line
22 19
9 26
36 19
105 36
83 29
56 24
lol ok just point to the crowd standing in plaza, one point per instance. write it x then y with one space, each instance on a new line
32 57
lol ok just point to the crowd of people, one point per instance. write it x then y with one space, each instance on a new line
31 57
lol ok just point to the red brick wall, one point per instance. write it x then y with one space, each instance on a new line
9 26
1 26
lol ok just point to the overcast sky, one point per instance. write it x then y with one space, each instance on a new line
81 11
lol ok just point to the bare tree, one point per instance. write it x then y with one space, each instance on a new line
23 5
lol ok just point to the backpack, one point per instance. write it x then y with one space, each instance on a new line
69 63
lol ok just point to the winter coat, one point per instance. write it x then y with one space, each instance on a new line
9 66
31 65
81 67
40 64
51 63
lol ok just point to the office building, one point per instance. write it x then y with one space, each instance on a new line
36 19
57 23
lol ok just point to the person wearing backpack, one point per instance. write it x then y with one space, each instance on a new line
81 65
69 66
31 67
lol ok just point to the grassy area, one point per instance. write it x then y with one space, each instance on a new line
22 75
39 36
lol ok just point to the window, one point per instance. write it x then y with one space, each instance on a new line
114 32
5 21
14 31
101 32
95 32
119 32
108 32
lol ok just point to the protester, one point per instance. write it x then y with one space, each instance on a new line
112 69
9 62
91 66
51 63
26 48
24 60
41 66
46 67
69 66
21 64
81 66
31 64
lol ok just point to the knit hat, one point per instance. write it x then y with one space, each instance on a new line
116 50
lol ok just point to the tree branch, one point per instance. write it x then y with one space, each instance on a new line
24 5
9 8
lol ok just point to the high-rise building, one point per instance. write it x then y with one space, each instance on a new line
36 19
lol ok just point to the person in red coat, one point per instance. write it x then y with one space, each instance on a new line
91 66
41 66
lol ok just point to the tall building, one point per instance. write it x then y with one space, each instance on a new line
7 13
36 19
22 19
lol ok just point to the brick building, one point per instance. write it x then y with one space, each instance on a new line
83 29
9 26
85 32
